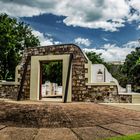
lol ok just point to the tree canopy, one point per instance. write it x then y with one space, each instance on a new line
96 59
131 68
14 37
52 71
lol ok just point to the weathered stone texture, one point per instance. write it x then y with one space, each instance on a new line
106 94
78 68
8 91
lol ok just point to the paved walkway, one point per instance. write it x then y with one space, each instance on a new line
125 105
71 121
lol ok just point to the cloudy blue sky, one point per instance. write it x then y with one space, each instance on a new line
110 27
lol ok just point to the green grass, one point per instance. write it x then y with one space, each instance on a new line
131 137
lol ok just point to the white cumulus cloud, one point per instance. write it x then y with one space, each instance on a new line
138 27
132 44
108 15
44 41
135 4
112 52
14 9
82 41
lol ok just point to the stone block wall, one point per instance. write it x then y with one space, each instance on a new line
100 93
79 89
106 94
125 98
8 90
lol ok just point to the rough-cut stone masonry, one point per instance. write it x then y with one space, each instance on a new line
9 90
106 94
80 91
78 68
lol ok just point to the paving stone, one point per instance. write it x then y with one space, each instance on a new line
13 133
122 128
55 134
127 106
132 122
2 126
136 119
82 117
93 133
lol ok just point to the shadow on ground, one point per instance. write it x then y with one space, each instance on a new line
62 115
84 121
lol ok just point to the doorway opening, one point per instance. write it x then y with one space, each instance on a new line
36 77
51 80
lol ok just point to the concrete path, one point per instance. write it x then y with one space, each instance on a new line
71 121
125 105
79 133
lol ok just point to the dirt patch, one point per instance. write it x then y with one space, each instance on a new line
70 115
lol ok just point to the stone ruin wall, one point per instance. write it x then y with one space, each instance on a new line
80 91
78 68
107 94
8 91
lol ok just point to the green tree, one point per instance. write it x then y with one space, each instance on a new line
14 37
96 59
116 71
52 71
131 68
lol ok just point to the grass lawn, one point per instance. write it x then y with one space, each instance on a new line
130 137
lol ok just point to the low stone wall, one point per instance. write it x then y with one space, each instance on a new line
97 94
125 98
9 90
106 94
